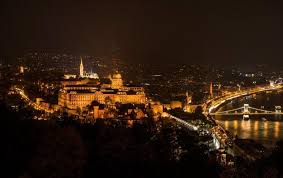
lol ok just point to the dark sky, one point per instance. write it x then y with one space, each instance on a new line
204 31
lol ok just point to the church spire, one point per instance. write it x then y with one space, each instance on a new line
81 68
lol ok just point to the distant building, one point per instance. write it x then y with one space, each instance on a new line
22 70
116 81
188 98
81 69
79 93
157 108
84 74
69 76
98 111
38 100
176 104
191 107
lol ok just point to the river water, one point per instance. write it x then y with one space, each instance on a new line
266 129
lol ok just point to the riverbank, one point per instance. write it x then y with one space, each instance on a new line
249 149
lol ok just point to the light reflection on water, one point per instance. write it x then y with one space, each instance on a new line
264 131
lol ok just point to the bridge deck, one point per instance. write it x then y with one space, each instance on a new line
239 114
247 110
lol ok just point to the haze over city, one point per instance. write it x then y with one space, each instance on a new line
141 89
213 32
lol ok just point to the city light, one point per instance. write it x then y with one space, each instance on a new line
141 89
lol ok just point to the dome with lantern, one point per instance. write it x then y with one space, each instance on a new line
117 76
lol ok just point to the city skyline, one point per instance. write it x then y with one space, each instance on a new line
141 89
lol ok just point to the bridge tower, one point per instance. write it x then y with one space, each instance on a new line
277 109
246 108
246 112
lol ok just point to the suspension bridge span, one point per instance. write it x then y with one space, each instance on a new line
248 110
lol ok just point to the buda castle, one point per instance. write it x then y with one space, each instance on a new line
82 91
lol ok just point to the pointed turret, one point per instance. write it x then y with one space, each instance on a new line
81 68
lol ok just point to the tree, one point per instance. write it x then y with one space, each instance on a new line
61 153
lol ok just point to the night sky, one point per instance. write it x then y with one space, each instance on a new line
208 31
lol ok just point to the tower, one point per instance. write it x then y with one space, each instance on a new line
188 98
211 90
116 81
21 69
246 108
81 68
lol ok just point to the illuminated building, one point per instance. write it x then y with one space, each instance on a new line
98 111
84 74
76 81
116 81
176 104
69 76
191 107
79 93
157 108
91 75
21 69
188 98
81 69
137 112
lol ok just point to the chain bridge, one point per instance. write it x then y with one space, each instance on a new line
248 110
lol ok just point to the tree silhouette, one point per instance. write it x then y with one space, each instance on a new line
61 153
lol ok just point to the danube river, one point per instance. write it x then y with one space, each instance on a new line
265 129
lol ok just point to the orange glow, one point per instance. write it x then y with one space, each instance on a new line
235 123
276 129
265 131
226 124
256 125
243 124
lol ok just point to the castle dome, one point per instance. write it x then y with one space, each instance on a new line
117 76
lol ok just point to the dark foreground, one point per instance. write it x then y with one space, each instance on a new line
31 148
